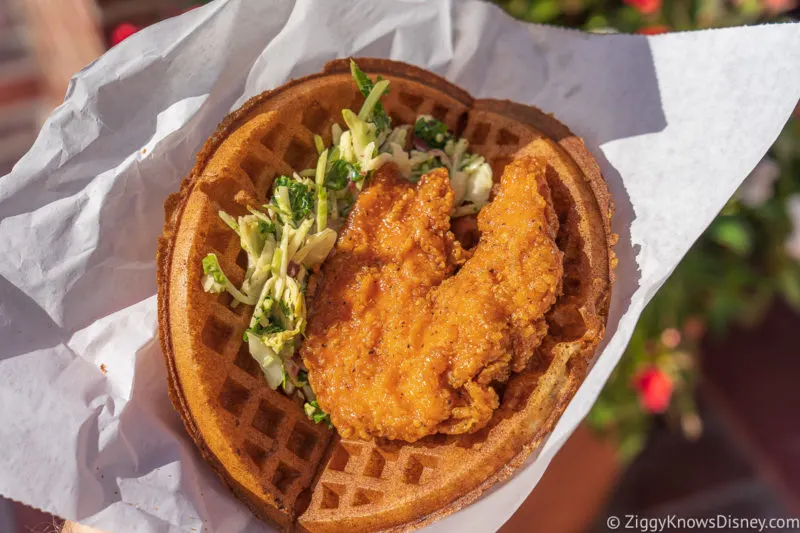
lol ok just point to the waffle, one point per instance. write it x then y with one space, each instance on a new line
302 476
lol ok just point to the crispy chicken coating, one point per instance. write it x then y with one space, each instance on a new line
408 332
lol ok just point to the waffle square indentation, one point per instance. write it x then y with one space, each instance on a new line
256 453
411 101
366 497
302 441
254 167
481 133
331 494
314 116
418 468
375 465
505 137
298 155
398 119
233 397
241 260
271 138
284 476
439 111
246 362
342 455
225 300
267 419
216 334
220 237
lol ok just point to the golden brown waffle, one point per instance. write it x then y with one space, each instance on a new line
301 475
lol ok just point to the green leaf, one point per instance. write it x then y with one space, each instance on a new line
340 173
315 413
258 330
631 443
596 22
265 227
368 109
517 8
432 131
378 115
346 204
544 11
301 198
302 378
363 82
285 309
732 234
789 283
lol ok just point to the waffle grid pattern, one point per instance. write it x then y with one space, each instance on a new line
357 473
309 471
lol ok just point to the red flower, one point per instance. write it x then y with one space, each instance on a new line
655 29
779 6
122 32
645 6
655 389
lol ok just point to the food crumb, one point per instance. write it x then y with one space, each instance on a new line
103 368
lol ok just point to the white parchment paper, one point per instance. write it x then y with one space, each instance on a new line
676 121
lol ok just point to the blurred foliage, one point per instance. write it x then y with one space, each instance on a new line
737 267
633 16
729 277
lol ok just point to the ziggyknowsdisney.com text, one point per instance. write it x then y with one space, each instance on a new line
647 524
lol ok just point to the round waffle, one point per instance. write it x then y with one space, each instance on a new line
287 469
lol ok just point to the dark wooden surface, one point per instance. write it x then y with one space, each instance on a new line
747 462
753 384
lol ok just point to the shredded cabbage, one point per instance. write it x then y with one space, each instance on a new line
216 281
229 220
322 192
316 249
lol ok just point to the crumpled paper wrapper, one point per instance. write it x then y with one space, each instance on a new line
676 121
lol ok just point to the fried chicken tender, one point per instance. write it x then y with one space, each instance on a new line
399 344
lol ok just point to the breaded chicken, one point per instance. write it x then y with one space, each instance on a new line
401 347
